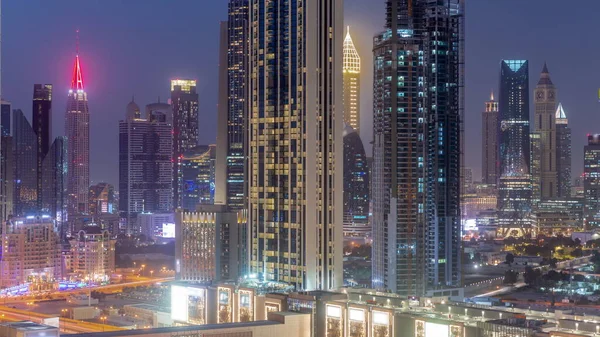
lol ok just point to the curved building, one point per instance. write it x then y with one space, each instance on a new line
356 186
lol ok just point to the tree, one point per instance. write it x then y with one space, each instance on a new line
510 259
510 277
531 276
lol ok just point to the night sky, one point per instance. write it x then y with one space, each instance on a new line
135 47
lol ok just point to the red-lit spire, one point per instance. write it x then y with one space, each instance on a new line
77 79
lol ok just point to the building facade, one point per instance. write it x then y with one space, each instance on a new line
356 186
545 125
31 252
92 255
591 182
77 131
417 151
295 142
563 153
42 126
351 84
231 136
197 177
25 165
145 166
184 101
157 225
536 168
54 185
102 199
489 146
515 187
7 179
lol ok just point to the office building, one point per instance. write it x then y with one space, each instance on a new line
102 199
563 153
156 225
31 252
489 146
197 177
25 166
417 152
545 125
295 151
54 185
161 112
536 168
356 186
591 182
145 167
515 187
92 255
7 179
184 101
5 120
207 244
351 84
42 126
231 137
77 131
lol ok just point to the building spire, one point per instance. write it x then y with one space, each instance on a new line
492 95
545 76
77 79
351 59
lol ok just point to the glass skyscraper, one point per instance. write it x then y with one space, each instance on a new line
295 142
563 153
591 182
417 158
197 177
356 186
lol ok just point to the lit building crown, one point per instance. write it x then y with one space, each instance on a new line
351 58
77 79
561 116
185 84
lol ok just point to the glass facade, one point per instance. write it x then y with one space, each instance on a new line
563 153
356 186
25 169
197 177
591 182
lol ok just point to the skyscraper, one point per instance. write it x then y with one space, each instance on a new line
535 140
356 186
489 136
232 106
545 125
351 84
515 188
145 167
54 184
77 129
295 151
591 182
7 179
184 101
417 154
25 166
563 153
197 184
42 126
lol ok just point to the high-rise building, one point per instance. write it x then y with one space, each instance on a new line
295 185
591 182
351 84
102 199
25 166
145 167
231 138
92 255
30 252
207 244
356 186
160 112
42 126
54 185
7 179
417 153
197 177
77 131
489 137
563 153
184 101
545 125
515 187
536 167
5 118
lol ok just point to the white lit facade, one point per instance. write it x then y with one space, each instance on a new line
92 255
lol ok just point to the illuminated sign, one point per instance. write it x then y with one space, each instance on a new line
334 311
356 315
380 318
168 230
188 304
436 330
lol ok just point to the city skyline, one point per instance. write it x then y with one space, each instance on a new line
110 52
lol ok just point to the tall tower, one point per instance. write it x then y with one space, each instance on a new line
295 142
591 182
351 84
545 125
25 166
489 136
77 129
42 125
356 186
563 153
231 145
515 189
184 101
417 152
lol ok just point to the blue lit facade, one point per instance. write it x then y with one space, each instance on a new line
197 177
416 168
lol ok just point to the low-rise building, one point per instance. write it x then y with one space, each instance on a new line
27 329
92 255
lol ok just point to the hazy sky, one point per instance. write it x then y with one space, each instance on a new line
135 47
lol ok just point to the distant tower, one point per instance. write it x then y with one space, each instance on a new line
184 101
563 153
591 182
489 136
25 166
535 140
351 84
42 126
356 186
545 125
77 129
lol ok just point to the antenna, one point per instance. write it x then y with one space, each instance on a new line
77 41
